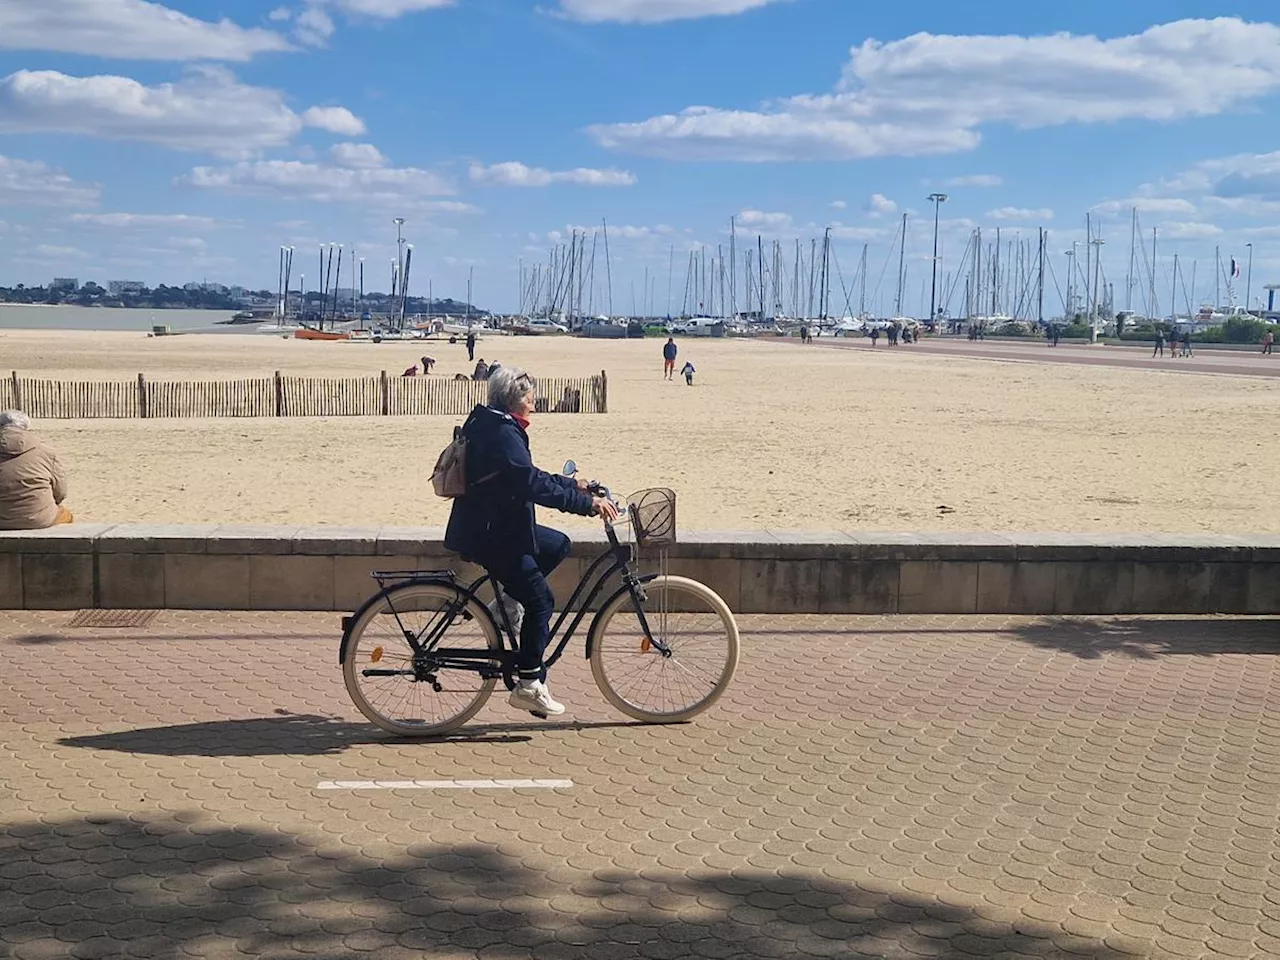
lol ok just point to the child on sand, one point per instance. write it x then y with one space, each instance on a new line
688 371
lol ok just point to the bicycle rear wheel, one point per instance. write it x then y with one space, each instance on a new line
408 704
693 622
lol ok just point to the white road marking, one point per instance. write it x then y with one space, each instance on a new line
443 784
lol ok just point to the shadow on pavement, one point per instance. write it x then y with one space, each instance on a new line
1148 638
173 887
300 734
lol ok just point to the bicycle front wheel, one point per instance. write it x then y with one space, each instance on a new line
691 620
389 688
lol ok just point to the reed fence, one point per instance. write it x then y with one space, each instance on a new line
283 396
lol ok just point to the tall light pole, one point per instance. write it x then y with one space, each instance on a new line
1069 306
1248 284
399 222
937 199
1097 269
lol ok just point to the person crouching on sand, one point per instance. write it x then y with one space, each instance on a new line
32 483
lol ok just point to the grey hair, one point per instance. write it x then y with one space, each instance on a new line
14 418
508 386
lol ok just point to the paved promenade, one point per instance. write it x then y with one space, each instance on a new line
871 787
1250 363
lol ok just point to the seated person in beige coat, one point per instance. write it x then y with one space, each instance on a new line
32 484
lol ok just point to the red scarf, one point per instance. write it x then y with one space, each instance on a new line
523 421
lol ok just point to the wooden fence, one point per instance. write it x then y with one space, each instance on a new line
283 396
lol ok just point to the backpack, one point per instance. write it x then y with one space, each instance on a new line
449 479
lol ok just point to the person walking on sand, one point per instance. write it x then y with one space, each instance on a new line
471 345
1268 341
875 335
1186 343
1159 350
688 371
804 334
669 351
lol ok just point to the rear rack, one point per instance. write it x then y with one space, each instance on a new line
395 576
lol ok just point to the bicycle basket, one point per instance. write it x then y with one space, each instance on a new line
653 517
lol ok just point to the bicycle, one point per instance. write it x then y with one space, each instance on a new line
663 649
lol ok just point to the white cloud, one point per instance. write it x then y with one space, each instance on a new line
361 156
1020 213
127 29
36 184
653 11
625 231
280 14
929 94
760 220
838 204
878 205
291 179
976 180
515 174
863 234
1188 230
389 9
337 120
1175 205
208 110
132 220
313 27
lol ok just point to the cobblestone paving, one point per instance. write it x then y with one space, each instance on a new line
882 787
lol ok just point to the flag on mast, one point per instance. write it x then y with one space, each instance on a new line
1235 269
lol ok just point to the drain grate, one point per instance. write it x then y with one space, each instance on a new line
112 618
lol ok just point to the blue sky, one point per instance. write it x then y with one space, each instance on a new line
189 140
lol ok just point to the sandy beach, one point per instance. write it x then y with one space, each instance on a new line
772 435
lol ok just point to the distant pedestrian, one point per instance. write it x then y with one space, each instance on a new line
1057 334
1159 350
471 346
804 334
482 370
875 335
427 364
688 371
411 372
669 351
1268 341
1186 343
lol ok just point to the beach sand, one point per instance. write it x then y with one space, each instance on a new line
772 435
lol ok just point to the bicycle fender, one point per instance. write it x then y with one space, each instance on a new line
595 621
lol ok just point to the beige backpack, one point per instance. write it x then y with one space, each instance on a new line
449 479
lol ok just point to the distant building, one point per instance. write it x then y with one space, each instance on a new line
64 284
125 288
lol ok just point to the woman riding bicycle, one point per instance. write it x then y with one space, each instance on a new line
495 525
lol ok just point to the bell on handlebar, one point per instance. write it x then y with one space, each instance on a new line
570 469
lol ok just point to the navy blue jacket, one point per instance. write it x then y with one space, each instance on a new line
494 522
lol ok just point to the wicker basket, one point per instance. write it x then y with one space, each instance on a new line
653 517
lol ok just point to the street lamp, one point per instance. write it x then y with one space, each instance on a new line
937 199
1097 269
1069 306
1248 287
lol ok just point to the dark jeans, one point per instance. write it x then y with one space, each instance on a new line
525 580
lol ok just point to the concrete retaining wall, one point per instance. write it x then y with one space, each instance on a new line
761 571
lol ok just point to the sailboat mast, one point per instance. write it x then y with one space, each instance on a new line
760 259
862 297
1040 282
608 264
902 266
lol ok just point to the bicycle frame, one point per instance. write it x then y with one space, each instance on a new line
619 559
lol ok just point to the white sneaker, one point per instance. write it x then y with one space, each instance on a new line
515 613
534 697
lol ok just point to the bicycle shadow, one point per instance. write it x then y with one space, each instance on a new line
301 735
